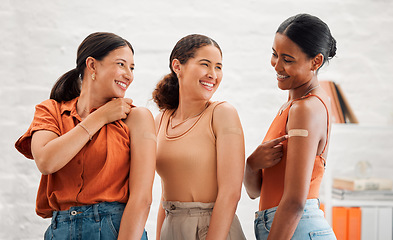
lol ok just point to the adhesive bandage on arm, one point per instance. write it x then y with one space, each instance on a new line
297 133
149 135
233 130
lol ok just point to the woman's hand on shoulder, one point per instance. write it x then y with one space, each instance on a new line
116 109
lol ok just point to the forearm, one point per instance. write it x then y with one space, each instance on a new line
56 153
222 216
134 218
252 181
160 221
286 219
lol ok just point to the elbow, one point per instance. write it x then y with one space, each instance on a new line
298 206
143 202
44 168
295 205
231 196
253 194
253 183
148 201
235 197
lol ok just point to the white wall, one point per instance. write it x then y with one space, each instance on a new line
39 41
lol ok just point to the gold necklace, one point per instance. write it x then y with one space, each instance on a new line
310 90
185 120
288 103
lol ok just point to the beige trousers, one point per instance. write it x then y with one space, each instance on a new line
190 220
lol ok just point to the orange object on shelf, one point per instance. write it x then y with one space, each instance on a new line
340 222
347 222
354 223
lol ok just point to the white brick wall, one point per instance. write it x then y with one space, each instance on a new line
39 41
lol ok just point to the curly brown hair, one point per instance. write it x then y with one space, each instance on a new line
166 94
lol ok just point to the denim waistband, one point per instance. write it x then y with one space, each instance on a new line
310 205
87 211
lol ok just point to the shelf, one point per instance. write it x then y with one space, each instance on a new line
360 203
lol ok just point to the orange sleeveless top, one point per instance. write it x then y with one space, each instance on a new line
273 177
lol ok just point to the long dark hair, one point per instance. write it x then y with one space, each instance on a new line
96 45
311 34
166 94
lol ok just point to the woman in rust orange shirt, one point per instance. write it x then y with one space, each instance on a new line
96 151
287 175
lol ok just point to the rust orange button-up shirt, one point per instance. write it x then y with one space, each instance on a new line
98 173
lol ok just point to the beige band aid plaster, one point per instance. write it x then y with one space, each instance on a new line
151 136
234 130
298 133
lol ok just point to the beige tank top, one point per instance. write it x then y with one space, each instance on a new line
187 162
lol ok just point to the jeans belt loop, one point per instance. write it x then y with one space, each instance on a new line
264 216
96 215
54 222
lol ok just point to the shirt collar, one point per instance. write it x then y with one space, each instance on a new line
70 106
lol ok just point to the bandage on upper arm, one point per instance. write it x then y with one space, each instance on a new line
150 136
298 133
232 130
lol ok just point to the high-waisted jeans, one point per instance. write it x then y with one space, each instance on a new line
312 224
99 221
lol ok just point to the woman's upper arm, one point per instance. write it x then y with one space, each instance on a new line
230 146
304 117
143 149
38 141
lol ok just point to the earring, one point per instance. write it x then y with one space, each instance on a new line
93 76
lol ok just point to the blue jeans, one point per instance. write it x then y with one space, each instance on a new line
312 224
98 221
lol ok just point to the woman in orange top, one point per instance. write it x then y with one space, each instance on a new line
96 151
287 175
200 147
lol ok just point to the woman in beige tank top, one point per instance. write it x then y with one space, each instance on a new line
200 147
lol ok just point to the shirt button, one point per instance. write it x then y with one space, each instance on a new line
79 184
79 161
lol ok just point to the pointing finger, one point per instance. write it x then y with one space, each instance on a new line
276 141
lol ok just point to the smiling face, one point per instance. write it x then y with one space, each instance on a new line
293 67
201 75
114 73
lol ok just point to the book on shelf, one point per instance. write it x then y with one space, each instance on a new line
361 184
374 195
341 111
